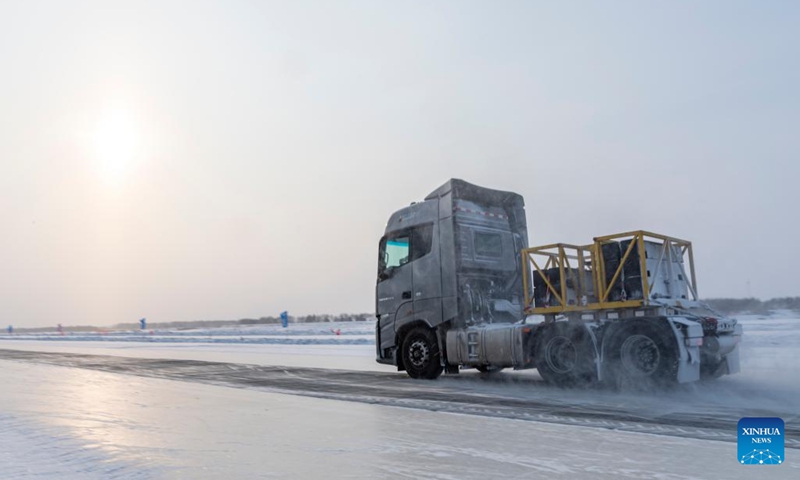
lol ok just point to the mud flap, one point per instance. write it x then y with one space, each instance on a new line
732 358
688 349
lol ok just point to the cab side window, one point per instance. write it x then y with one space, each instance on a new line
421 241
400 248
397 251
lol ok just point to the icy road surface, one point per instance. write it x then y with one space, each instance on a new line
120 413
78 423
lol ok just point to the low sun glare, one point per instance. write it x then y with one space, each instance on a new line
115 144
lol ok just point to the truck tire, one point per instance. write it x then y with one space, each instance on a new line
421 356
564 354
642 356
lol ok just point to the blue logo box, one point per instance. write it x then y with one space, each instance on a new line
761 441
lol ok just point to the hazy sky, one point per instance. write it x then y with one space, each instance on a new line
210 160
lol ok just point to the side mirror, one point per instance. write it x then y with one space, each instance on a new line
386 274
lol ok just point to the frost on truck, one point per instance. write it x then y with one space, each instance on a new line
457 282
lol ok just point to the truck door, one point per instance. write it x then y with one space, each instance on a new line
394 283
427 279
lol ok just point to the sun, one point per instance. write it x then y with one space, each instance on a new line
115 145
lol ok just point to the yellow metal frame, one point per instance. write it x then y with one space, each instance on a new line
577 263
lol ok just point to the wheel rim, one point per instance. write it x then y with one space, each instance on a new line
640 355
560 354
418 353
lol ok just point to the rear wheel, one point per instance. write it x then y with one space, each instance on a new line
421 356
642 356
564 354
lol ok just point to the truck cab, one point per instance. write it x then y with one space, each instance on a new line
450 261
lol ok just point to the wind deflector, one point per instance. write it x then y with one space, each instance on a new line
511 202
467 191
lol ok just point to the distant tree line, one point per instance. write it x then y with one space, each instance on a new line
342 317
754 305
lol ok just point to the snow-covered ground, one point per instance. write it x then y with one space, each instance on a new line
75 423
304 345
329 333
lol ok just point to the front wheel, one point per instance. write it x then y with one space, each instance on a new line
421 356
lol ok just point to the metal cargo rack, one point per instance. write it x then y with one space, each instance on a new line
577 278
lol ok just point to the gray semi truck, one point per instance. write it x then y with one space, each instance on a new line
458 287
